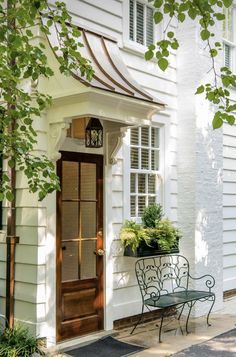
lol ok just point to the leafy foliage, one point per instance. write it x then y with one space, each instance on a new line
154 231
22 63
18 342
207 13
152 215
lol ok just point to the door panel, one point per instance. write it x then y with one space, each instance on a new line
79 227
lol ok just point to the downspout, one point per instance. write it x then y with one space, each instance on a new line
11 239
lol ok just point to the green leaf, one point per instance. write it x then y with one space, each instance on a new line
205 34
158 17
230 119
158 3
200 90
170 34
1 196
219 16
181 17
149 55
163 64
217 121
9 196
227 3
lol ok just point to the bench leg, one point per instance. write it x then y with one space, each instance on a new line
162 317
139 320
213 302
189 312
182 309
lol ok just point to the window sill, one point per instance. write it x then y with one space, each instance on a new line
135 48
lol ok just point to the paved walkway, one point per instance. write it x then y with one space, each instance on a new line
174 340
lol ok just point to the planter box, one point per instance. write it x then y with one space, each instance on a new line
145 251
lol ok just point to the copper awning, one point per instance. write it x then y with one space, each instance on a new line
110 71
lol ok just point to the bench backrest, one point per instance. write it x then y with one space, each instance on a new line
162 274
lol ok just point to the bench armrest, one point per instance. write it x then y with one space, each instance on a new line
208 279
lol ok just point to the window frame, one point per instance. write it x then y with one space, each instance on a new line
132 45
230 43
159 193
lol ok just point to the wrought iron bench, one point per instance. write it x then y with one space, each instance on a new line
164 283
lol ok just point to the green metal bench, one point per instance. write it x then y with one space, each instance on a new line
164 283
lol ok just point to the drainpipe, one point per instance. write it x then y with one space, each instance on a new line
11 239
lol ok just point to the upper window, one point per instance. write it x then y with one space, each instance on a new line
141 25
228 36
144 169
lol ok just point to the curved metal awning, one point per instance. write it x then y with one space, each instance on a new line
110 71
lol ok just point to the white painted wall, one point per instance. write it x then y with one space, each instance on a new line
199 165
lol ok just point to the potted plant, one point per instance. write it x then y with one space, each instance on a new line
156 235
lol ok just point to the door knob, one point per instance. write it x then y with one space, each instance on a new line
99 252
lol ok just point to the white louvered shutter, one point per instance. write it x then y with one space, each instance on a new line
131 20
149 26
227 55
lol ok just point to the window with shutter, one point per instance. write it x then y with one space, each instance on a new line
228 36
144 169
140 23
227 55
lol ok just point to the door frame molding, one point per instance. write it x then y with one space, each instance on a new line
93 158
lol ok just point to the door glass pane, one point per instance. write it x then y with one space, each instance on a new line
70 176
70 220
70 261
88 219
88 181
88 259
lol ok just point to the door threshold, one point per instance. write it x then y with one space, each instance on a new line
67 345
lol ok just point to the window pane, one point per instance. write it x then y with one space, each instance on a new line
155 138
141 205
145 136
141 183
149 27
132 206
144 159
134 136
131 20
132 183
155 160
151 200
151 183
134 158
139 24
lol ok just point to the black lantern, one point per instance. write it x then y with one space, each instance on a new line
94 134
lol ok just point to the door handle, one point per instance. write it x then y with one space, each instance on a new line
100 252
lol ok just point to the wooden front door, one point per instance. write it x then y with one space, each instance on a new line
79 245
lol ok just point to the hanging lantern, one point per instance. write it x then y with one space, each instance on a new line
94 134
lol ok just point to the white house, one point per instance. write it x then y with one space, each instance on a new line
159 146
